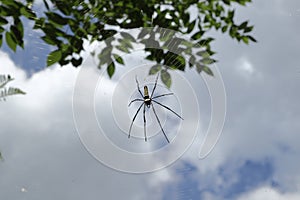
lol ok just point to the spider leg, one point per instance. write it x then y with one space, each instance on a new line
134 101
138 86
160 123
162 95
134 118
144 123
154 85
168 108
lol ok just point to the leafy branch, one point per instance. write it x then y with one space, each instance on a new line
67 24
5 92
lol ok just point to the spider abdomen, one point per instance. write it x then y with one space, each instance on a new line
147 102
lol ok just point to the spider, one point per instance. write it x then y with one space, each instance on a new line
147 102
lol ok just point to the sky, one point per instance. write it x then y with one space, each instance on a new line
50 137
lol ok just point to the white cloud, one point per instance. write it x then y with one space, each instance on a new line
42 152
246 70
39 141
263 109
7 67
269 193
245 67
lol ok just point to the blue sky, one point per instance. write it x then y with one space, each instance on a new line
255 158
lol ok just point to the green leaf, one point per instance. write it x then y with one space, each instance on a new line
192 60
53 57
27 13
16 91
3 21
107 33
12 4
77 44
143 33
11 41
1 36
191 26
248 29
199 67
46 4
205 42
39 23
166 35
63 62
245 39
166 78
127 36
4 92
203 54
122 48
17 35
111 69
104 58
169 58
4 80
118 59
224 29
19 26
49 40
187 43
252 38
208 70
231 15
125 43
197 35
179 63
226 2
243 25
64 7
154 69
56 18
208 61
76 62
105 52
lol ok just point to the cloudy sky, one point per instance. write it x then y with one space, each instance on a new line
51 151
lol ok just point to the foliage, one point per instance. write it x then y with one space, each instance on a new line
5 92
66 24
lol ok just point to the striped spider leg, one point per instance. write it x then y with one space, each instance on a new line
147 101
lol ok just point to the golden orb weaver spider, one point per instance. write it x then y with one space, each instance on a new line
148 101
